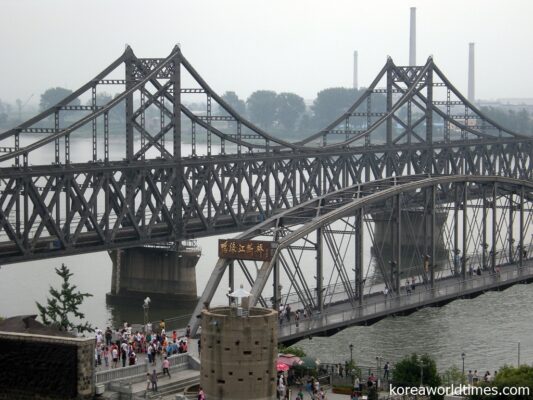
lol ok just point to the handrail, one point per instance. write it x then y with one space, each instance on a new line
398 303
177 362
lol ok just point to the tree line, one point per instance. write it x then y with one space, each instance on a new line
285 114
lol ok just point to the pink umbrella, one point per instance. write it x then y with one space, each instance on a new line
282 367
289 359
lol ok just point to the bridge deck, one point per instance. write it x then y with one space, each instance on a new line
375 306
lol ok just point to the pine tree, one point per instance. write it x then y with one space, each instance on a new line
64 302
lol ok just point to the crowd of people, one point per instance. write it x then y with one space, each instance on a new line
122 347
312 387
473 378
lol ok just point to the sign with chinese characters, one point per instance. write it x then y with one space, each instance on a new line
245 249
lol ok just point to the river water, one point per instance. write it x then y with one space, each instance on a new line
487 329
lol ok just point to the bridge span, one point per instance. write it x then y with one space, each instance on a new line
376 306
318 249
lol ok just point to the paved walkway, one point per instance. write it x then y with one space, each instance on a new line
176 377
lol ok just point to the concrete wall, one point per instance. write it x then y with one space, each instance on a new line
45 367
154 272
238 359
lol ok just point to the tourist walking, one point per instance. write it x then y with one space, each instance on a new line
166 366
470 377
408 286
475 379
105 355
148 381
114 356
201 395
153 379
108 336
124 352
386 369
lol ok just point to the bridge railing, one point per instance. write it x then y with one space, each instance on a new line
178 362
117 374
336 292
384 306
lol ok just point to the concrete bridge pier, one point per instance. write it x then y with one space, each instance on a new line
165 272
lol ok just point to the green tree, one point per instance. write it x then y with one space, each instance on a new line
234 102
101 99
523 122
4 111
64 303
519 122
289 107
332 103
453 376
414 371
118 112
53 96
261 106
294 350
510 377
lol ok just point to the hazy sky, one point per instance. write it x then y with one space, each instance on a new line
300 46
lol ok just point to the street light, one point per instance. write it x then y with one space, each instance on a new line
421 372
351 353
463 357
378 371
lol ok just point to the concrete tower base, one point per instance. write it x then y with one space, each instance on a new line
160 272
239 351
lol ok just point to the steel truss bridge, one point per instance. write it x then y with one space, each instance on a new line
180 174
147 168
320 249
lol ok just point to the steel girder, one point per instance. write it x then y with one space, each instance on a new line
93 207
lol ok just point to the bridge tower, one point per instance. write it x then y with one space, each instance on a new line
164 270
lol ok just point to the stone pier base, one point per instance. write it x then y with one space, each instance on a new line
159 272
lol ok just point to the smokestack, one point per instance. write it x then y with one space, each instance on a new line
355 81
412 38
471 74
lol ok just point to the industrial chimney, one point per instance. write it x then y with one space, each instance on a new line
355 81
471 74
412 38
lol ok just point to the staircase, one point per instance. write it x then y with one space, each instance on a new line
172 387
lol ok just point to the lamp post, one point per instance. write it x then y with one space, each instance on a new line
351 353
421 373
463 357
379 359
